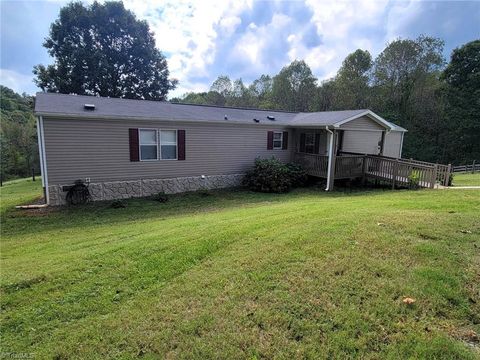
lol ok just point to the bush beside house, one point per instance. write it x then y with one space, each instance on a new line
273 176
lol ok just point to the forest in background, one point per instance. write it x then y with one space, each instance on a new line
18 135
409 83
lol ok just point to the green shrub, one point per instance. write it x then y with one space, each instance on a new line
271 175
414 180
118 204
298 175
450 179
160 197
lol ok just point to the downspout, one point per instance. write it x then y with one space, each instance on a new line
330 156
43 158
401 146
40 152
387 132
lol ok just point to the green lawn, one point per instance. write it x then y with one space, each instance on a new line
18 192
239 275
466 179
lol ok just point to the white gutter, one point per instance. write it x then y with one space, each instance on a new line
39 142
330 156
43 157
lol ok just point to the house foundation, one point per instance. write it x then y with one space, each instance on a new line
114 190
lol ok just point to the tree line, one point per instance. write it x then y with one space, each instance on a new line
18 135
409 83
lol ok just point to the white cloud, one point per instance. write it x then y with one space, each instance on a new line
18 82
186 31
189 31
339 22
256 39
229 24
399 17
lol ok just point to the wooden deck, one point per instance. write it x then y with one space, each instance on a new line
398 172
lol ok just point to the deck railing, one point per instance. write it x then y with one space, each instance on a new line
398 172
349 166
315 165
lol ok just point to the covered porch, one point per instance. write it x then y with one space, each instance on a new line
327 153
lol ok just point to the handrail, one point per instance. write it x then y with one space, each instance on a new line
396 171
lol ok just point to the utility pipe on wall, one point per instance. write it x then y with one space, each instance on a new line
330 157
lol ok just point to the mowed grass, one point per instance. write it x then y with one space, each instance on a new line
241 275
466 179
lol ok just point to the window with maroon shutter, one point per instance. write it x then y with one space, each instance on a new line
148 139
277 140
181 144
285 140
168 144
134 145
270 140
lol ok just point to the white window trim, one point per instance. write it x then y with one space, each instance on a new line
281 140
140 144
160 143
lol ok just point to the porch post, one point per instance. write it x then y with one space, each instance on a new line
332 155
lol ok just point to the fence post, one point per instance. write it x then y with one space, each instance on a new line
434 176
473 167
394 173
33 174
447 177
364 170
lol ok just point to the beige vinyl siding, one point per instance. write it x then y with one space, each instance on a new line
99 150
362 123
393 144
364 142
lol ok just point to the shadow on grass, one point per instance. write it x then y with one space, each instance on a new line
143 209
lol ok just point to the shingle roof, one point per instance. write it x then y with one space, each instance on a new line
73 106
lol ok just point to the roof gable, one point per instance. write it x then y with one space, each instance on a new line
371 115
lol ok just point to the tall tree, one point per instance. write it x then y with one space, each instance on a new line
223 85
352 81
325 96
103 49
403 64
241 96
406 90
462 78
261 90
294 87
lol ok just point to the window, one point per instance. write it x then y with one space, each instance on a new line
148 144
310 143
168 144
277 140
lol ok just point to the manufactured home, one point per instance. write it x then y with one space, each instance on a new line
132 148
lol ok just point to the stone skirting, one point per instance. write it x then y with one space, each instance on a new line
141 188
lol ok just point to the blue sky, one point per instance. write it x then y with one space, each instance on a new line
244 39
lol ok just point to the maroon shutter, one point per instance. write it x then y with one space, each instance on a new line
285 140
302 142
133 140
181 144
270 140
317 143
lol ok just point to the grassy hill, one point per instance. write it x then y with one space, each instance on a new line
243 275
